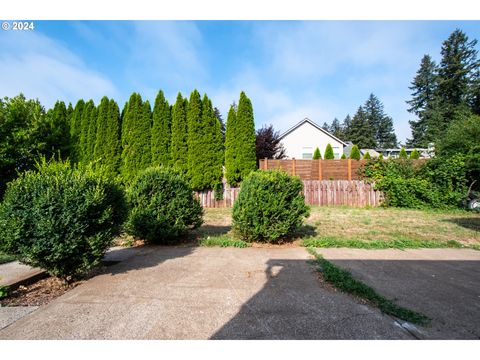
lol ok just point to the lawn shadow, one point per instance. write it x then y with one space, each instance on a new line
212 230
468 223
305 231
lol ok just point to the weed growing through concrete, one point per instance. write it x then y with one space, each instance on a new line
344 281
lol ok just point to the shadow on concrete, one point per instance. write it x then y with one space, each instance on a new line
126 259
294 305
468 223
290 306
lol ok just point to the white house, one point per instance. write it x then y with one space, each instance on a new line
301 141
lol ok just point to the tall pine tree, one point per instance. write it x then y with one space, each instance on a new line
381 125
179 138
360 131
161 131
456 75
136 128
423 103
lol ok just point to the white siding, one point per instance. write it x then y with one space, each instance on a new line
305 139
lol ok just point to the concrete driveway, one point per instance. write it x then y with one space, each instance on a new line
207 293
443 284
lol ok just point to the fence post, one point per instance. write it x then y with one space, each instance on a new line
319 169
265 164
293 166
349 169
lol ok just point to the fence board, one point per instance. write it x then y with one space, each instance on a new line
354 193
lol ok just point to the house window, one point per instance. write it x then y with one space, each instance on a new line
307 152
336 152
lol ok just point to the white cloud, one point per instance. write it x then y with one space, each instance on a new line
41 68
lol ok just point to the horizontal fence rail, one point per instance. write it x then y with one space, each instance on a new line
354 193
344 169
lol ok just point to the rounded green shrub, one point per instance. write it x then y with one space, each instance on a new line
163 206
60 218
270 206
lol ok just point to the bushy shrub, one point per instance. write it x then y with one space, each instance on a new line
403 153
343 157
438 182
163 206
448 175
60 218
270 206
409 193
367 156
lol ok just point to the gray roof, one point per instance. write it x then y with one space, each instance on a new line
313 124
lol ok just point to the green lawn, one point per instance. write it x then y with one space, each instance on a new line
371 227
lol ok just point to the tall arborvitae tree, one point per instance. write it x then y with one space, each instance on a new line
423 103
136 127
355 153
179 138
161 131
213 144
196 135
91 136
329 155
380 124
232 171
360 131
76 130
246 137
69 112
108 145
218 115
456 75
59 135
87 114
317 155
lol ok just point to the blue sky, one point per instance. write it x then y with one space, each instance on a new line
289 69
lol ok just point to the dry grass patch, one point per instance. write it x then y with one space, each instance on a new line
387 224
371 227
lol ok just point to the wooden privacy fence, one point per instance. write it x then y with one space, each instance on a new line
207 198
345 169
353 193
